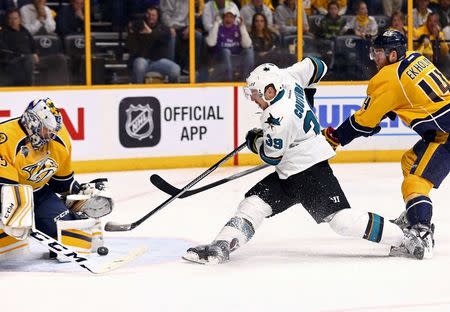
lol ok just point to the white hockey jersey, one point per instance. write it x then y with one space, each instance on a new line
292 140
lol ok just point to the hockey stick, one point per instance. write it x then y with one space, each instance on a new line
168 188
75 257
115 227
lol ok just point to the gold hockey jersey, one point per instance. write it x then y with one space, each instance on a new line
20 163
414 89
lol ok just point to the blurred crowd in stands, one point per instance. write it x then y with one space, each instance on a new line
147 41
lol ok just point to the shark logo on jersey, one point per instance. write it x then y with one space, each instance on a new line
272 121
139 124
41 170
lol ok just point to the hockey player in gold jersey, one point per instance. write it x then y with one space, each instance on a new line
35 166
409 85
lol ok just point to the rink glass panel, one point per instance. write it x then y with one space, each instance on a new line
110 62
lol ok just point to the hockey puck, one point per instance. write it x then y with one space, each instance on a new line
102 251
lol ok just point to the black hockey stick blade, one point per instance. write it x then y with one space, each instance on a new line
168 188
113 226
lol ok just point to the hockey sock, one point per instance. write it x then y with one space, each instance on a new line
249 216
419 210
367 225
237 232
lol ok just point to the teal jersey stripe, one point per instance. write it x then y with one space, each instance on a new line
377 228
319 69
267 159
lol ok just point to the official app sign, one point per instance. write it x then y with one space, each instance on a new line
139 121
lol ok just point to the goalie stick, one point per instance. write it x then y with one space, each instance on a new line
75 257
115 227
168 188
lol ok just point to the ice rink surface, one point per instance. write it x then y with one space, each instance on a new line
291 264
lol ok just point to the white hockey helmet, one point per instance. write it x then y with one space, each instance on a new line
263 76
42 120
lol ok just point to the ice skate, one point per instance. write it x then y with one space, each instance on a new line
426 233
214 253
401 221
412 246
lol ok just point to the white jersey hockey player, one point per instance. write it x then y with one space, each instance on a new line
290 139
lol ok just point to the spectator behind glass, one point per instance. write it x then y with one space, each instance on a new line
391 6
432 29
425 47
199 6
37 18
268 3
136 7
362 24
332 24
256 6
175 15
286 18
444 17
214 9
70 18
398 23
229 38
420 12
307 6
18 51
11 4
323 5
266 43
148 41
52 68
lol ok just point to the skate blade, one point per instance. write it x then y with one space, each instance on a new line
193 257
402 252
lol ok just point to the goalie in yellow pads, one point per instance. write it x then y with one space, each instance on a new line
408 85
38 188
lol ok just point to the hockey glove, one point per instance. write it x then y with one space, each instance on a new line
93 200
251 138
330 135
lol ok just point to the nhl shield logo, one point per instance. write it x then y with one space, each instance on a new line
139 121
139 124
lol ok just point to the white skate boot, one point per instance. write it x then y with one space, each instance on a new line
426 233
214 253
412 246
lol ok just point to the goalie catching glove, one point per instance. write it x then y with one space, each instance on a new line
93 199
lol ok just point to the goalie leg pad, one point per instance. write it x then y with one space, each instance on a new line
77 234
17 210
11 247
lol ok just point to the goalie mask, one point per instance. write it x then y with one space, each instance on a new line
262 77
41 120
